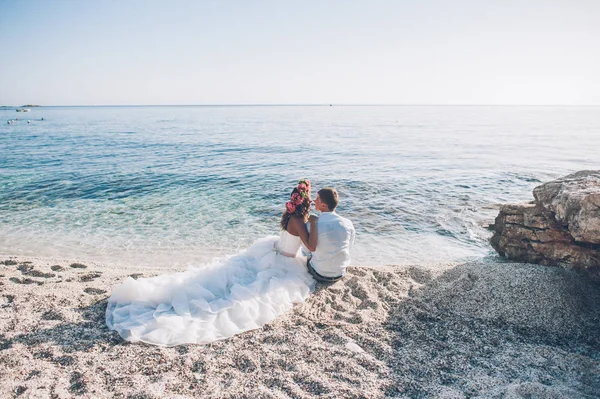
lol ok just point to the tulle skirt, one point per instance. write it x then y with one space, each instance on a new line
203 305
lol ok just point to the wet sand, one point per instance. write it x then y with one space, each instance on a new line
477 330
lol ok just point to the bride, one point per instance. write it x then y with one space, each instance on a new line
239 294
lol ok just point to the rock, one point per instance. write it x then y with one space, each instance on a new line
28 270
574 201
94 291
53 315
17 280
351 346
561 227
78 383
65 360
8 262
89 277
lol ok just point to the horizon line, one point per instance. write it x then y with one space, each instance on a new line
302 105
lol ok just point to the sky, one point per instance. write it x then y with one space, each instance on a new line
134 52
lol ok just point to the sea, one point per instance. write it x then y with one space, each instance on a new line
174 186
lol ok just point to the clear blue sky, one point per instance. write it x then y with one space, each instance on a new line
312 51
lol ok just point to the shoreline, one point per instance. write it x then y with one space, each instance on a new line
469 330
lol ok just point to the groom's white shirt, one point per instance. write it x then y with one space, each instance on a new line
335 239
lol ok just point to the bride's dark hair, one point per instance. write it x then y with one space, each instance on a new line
299 204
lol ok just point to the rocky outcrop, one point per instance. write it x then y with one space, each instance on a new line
561 227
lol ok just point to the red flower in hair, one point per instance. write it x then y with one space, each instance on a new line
296 199
290 207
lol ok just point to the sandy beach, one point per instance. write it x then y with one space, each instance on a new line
476 330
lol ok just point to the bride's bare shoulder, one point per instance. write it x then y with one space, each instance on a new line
295 224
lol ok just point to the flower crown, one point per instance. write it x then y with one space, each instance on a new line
296 199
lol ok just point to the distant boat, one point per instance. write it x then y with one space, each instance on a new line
23 109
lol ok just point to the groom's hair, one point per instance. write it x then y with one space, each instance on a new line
330 197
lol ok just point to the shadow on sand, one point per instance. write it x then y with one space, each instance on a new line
71 337
498 330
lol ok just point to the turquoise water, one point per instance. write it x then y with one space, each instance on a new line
180 185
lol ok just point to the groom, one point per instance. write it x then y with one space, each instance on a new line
335 237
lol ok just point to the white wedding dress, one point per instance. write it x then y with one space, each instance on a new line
203 305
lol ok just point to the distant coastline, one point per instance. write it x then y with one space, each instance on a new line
20 106
294 105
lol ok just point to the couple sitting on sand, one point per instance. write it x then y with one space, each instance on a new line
243 292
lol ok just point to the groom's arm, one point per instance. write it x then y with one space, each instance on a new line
314 234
